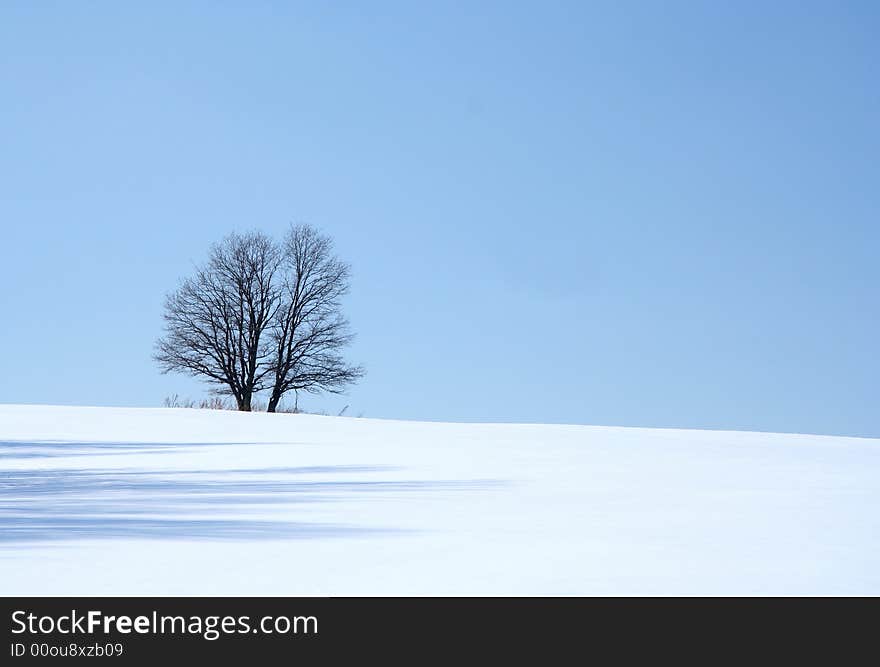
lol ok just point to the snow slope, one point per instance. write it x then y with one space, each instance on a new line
178 502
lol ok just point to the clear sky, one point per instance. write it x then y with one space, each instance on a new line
623 213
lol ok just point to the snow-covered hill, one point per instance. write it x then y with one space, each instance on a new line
164 501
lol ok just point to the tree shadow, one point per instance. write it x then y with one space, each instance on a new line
22 449
63 504
26 529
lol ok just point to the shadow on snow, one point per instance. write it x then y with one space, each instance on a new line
61 504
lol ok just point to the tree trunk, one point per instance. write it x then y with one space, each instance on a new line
244 404
273 403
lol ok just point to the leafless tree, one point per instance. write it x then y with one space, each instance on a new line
216 322
309 331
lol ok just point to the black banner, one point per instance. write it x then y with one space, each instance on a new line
564 630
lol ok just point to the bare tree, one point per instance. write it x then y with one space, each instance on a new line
309 331
216 322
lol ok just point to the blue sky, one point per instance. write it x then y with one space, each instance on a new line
641 213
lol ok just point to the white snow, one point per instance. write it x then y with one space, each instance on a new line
125 501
